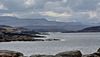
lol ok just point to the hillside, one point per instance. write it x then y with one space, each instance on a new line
88 29
8 34
91 29
13 34
41 23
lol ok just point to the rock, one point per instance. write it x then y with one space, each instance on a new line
42 56
90 55
98 50
23 56
69 54
52 40
7 53
96 54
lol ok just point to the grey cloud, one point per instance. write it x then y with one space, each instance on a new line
83 5
73 7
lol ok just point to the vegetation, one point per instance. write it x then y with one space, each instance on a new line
12 34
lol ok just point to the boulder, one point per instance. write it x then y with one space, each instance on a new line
42 56
96 54
90 55
23 56
69 54
7 53
98 50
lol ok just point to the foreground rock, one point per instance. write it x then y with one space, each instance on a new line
62 54
96 54
70 54
77 53
98 50
23 56
7 53
42 56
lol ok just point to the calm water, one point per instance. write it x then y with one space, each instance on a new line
85 42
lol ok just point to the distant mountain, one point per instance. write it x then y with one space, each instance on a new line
6 18
16 22
91 29
41 23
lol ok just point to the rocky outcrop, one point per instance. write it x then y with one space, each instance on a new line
7 53
8 34
77 53
70 54
98 50
96 54
62 54
51 39
23 56
42 56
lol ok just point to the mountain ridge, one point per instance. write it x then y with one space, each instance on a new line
40 23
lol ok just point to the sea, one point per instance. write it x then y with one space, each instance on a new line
85 42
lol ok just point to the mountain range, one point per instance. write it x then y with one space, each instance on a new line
40 23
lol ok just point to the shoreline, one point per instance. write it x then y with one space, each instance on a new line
32 40
75 53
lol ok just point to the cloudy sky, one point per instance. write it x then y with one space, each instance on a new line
85 11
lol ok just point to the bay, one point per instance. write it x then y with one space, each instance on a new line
85 42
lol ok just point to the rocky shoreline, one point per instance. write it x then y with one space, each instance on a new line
30 39
77 53
9 34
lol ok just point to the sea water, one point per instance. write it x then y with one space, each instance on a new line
85 42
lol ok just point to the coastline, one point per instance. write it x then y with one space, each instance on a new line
75 53
31 40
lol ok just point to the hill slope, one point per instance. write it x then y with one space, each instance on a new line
91 29
13 34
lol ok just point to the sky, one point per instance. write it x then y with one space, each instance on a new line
85 11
